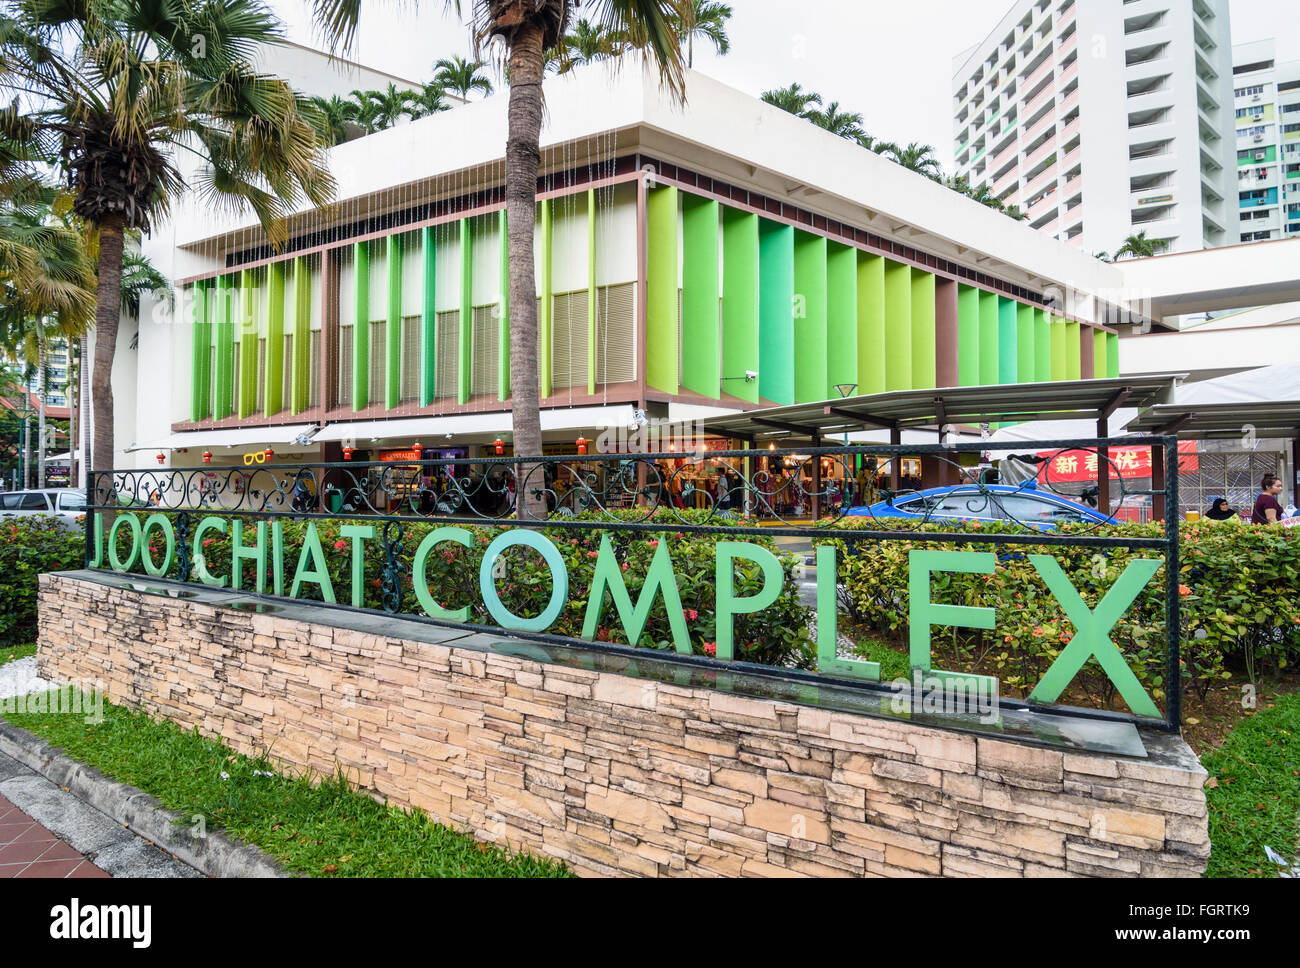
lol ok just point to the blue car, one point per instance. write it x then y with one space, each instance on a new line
987 502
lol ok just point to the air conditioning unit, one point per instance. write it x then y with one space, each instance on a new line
1260 155
1258 138
1256 97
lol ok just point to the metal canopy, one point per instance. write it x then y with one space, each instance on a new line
945 406
1208 421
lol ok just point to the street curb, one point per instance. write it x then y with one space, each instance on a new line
215 854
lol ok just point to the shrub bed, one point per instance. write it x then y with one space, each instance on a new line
30 545
1240 590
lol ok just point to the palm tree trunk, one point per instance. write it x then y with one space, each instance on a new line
523 158
84 412
108 312
40 409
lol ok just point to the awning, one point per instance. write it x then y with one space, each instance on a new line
427 429
271 434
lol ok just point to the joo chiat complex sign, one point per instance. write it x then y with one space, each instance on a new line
1092 626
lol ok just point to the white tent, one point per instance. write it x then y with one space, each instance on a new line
1266 383
1081 429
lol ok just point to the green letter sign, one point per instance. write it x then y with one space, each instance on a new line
660 576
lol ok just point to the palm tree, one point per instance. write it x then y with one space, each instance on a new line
331 118
120 86
1138 247
586 43
793 99
430 100
869 142
846 124
706 20
392 103
458 75
366 111
529 30
916 157
1015 212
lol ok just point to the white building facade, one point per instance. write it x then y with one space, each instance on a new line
1103 119
1266 101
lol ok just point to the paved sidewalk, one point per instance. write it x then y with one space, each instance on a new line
45 831
29 850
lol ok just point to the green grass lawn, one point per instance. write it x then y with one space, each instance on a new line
1254 792
10 653
324 829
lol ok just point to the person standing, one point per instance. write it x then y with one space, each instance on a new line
1267 509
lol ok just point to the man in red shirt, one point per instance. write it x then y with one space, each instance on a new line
1267 509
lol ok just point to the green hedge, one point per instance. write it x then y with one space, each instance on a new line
1240 589
30 545
778 635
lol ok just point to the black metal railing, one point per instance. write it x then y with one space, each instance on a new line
805 492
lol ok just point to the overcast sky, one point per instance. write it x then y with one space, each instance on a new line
892 62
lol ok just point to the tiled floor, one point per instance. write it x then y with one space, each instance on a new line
29 850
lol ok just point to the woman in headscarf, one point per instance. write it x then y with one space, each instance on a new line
1219 510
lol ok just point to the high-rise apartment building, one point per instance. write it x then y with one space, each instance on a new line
1103 119
1266 98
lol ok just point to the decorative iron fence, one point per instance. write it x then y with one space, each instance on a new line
841 498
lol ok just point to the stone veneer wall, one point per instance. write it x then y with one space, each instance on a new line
618 775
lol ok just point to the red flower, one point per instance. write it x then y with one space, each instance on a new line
691 614
710 648
206 542
625 566
591 554
1184 590
653 544
340 545
375 582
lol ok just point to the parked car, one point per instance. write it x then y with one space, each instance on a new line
989 502
67 504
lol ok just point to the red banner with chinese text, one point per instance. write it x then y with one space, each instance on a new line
1078 466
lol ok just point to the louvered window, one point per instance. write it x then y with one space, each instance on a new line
448 352
483 353
378 360
569 339
345 365
286 388
616 333
410 388
234 380
313 379
261 374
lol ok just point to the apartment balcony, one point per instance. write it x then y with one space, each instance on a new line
1067 46
1040 155
1069 132
1042 71
1071 159
1007 181
1040 183
1040 103
1035 130
1070 73
1151 198
1070 102
1051 228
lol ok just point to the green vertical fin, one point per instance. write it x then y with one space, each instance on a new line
968 336
466 310
301 334
503 320
871 323
809 317
841 317
273 398
429 318
989 348
701 364
361 326
776 312
661 350
740 302
898 326
545 309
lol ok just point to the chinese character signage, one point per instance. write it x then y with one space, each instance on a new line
1067 466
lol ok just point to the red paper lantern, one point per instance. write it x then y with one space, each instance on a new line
270 454
347 453
500 446
417 448
207 457
161 458
582 445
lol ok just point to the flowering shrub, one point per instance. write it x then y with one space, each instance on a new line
30 545
1240 594
778 635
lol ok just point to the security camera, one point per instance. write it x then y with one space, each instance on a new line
751 376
